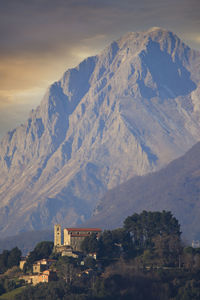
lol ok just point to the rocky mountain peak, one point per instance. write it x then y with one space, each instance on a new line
127 111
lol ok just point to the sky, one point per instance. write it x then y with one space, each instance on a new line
41 39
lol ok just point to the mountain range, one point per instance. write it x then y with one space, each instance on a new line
127 111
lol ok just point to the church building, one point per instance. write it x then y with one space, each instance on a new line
73 237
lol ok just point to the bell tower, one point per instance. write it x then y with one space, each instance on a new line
57 235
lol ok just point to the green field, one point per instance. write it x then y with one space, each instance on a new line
12 294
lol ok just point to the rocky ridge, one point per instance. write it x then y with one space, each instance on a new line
127 111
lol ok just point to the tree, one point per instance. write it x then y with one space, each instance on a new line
122 239
2 289
145 226
191 258
189 291
4 261
8 259
90 244
9 285
107 246
42 250
167 249
14 257
90 262
111 244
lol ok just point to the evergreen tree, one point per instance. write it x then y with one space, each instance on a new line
42 250
143 227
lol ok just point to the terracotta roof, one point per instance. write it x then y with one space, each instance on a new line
51 260
79 235
46 272
83 229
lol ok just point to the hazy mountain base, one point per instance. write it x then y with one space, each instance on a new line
175 188
127 111
26 241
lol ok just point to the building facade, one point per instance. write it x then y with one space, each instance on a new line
42 265
45 276
57 235
73 238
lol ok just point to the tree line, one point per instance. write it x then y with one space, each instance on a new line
144 259
152 234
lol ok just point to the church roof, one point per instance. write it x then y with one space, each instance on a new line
83 229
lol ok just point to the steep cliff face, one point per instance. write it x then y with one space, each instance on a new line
127 111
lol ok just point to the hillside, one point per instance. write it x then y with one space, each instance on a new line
175 188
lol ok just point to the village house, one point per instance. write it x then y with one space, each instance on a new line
71 246
22 262
45 276
42 265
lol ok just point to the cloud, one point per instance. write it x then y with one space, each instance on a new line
39 26
195 37
16 105
40 39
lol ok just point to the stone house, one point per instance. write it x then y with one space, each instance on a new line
45 276
43 264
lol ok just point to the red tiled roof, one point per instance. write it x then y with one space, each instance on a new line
46 272
79 235
83 229
51 260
